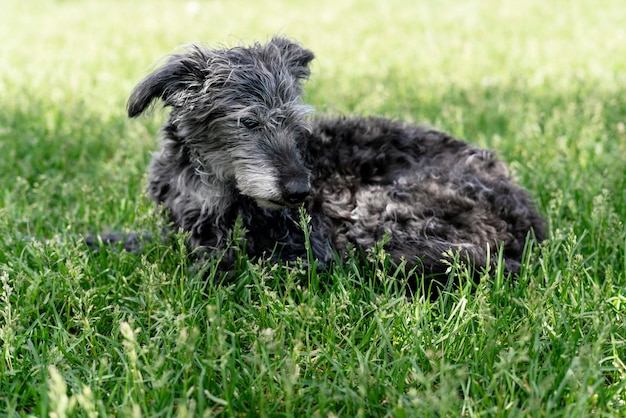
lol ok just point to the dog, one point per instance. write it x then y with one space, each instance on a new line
240 144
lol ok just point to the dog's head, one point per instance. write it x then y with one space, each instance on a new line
239 113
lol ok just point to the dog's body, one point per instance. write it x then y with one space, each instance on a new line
237 144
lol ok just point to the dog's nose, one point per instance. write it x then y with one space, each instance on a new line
296 191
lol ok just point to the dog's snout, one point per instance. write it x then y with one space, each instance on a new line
296 190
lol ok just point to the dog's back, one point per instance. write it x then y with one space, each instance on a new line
426 190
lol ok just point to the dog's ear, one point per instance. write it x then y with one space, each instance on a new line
296 57
180 72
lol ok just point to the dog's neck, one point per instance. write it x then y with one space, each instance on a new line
215 191
207 182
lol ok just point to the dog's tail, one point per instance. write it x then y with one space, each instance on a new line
131 242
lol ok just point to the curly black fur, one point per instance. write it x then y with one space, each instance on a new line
238 144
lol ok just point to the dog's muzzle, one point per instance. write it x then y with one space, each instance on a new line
296 190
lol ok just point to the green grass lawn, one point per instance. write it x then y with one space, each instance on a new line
112 333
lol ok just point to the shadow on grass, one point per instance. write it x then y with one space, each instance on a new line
358 347
71 164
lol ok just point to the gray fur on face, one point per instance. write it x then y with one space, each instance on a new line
238 144
237 114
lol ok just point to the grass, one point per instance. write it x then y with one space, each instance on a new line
112 333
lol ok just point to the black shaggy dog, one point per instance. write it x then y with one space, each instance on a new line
238 144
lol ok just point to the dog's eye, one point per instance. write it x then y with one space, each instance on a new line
249 123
